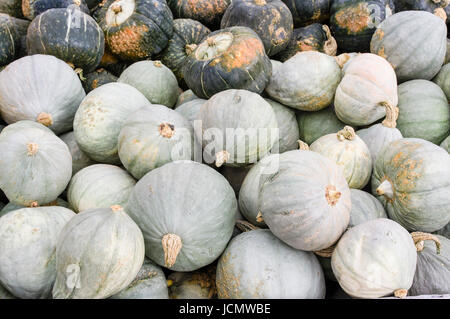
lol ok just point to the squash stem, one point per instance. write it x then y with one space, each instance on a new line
400 293
341 59
330 46
391 115
171 245
302 145
385 188
420 237
222 157
347 133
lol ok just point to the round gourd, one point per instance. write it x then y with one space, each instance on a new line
100 117
69 34
354 22
190 109
375 259
135 29
32 8
413 42
99 186
99 253
446 144
238 128
97 78
208 12
27 246
270 19
423 111
199 284
154 80
306 12
153 136
11 207
186 211
256 265
231 58
150 283
12 32
411 177
306 201
12 8
368 87
349 152
365 207
443 80
186 96
313 37
79 159
35 165
307 81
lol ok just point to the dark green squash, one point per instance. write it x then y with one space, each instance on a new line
70 35
97 78
32 8
207 12
12 31
306 12
423 5
12 8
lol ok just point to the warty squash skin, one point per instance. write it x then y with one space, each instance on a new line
69 34
443 80
412 57
32 8
28 242
411 177
100 117
11 207
97 78
446 144
200 284
190 109
153 136
306 12
40 88
190 228
35 165
79 159
256 265
12 8
375 259
231 58
207 12
135 29
12 33
99 253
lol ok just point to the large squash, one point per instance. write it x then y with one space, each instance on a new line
28 239
99 253
306 12
190 109
231 58
35 165
208 12
40 88
32 8
256 265
186 211
443 80
12 33
411 177
69 34
414 42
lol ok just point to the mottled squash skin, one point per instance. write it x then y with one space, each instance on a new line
12 8
207 12
12 32
422 5
270 19
97 78
33 8
306 12
231 58
135 29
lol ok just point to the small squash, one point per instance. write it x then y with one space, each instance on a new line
99 253
79 159
208 12
200 284
12 33
446 144
365 207
32 8
443 80
186 96
306 12
97 78
231 58
11 207
12 8
411 177
190 109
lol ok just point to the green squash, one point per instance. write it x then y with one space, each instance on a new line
99 186
153 136
307 81
186 96
11 207
32 8
199 284
100 117
79 159
238 128
411 177
443 80
99 253
423 111
413 42
150 283
375 259
365 207
154 80
231 58
12 8
12 33
58 32
306 12
208 12
257 265
186 211
97 78
446 144
40 88
35 165
305 201
28 239
349 152
190 109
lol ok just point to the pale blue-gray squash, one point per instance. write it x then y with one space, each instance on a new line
99 253
40 88
411 177
35 165
186 211
79 159
443 80
99 186
200 284
10 206
28 239
190 109
446 144
444 231
186 96
257 265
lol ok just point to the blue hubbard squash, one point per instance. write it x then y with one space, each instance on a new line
190 109
32 8
306 12
12 33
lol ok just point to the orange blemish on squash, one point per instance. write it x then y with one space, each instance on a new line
242 53
95 84
228 281
128 40
108 58
379 34
381 53
353 18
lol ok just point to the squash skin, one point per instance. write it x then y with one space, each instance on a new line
50 92
251 71
28 241
446 144
139 30
11 207
190 109
96 132
423 111
186 96
12 33
110 249
48 155
199 284
374 259
51 33
97 78
413 167
422 5
32 8
443 80
203 216
208 12
365 207
12 8
309 11
79 159
257 265
444 231
392 41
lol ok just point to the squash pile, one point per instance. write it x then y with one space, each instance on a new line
182 149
